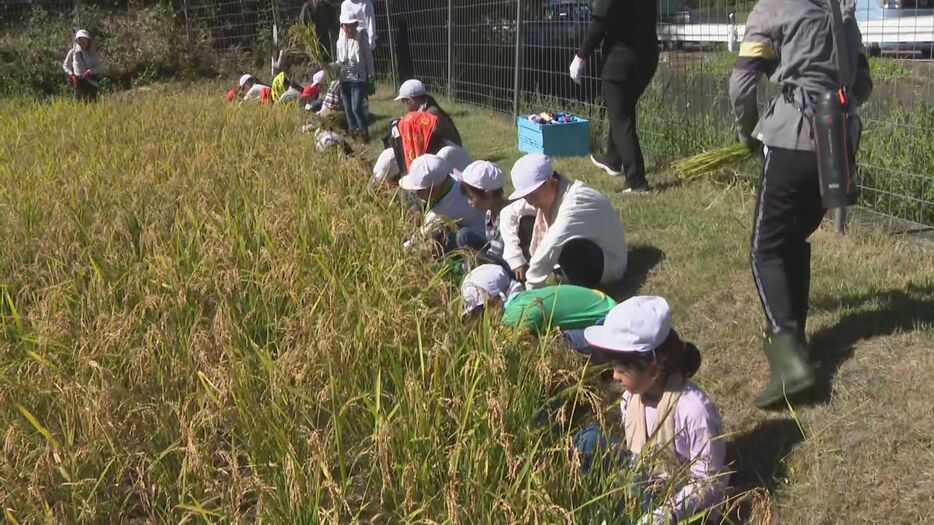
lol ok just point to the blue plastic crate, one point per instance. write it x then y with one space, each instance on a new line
555 140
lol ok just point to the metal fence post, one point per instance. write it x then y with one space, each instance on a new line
451 49
839 219
392 49
518 62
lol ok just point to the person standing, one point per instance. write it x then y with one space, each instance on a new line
630 51
809 48
363 11
321 15
83 67
355 65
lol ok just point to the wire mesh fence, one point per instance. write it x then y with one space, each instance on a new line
512 56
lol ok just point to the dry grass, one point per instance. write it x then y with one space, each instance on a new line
203 320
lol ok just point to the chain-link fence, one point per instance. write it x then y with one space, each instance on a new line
512 56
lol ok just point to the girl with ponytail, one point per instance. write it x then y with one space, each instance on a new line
669 421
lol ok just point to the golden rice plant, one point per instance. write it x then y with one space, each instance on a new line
711 161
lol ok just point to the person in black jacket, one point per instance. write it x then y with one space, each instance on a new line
630 50
321 15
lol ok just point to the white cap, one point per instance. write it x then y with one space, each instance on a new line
425 172
411 89
485 281
640 324
483 175
82 34
244 78
456 156
348 13
318 78
530 172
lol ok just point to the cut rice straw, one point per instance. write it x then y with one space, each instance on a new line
711 161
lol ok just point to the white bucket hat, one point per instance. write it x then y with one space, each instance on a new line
82 34
318 78
529 173
245 78
348 13
638 325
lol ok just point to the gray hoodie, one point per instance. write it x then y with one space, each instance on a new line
791 41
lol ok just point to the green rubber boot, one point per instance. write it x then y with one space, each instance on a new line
791 373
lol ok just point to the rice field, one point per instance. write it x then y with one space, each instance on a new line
204 320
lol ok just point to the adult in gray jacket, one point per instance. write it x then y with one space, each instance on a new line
83 67
795 43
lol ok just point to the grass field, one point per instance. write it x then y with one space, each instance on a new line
203 320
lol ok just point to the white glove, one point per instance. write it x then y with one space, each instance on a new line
578 68
659 516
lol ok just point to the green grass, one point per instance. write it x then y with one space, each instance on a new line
204 320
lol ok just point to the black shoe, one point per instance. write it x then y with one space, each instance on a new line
601 162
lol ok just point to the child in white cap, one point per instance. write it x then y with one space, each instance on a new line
671 426
354 66
311 92
253 89
83 67
413 94
576 228
489 287
429 178
482 183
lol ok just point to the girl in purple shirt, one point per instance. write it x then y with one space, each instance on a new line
672 428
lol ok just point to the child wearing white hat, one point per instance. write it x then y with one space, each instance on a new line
576 228
354 66
429 178
482 183
489 287
415 96
671 426
83 67
252 89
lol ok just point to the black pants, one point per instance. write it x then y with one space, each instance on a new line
788 210
85 91
621 92
581 263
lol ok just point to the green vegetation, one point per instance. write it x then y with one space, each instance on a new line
137 47
204 320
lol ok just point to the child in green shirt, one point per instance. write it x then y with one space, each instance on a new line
567 307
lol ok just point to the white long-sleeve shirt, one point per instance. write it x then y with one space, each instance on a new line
354 58
698 443
508 222
364 11
78 60
582 213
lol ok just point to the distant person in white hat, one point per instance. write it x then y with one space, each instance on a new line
671 427
482 183
416 98
354 64
490 288
83 67
252 89
576 228
430 180
363 11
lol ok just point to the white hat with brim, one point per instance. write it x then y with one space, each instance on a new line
245 78
638 325
483 175
348 14
426 171
529 173
485 281
318 78
410 89
82 34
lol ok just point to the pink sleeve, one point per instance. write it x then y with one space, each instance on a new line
699 443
